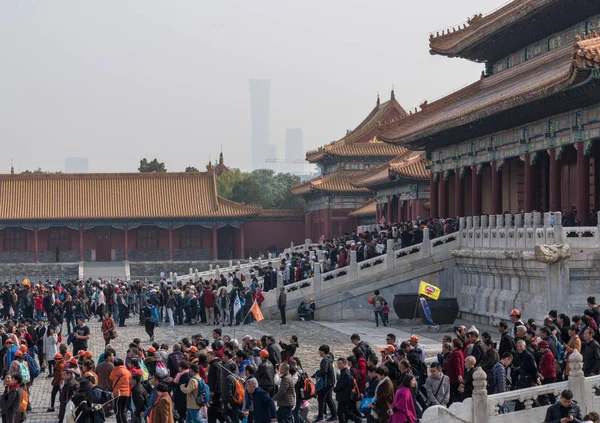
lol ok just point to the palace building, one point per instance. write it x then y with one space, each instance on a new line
333 195
133 217
522 137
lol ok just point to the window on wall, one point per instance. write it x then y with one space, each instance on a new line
59 238
15 239
190 238
147 238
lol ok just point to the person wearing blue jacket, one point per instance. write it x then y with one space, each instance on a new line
263 405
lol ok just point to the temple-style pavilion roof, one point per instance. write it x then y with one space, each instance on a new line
89 196
549 84
361 141
337 182
410 165
368 209
510 28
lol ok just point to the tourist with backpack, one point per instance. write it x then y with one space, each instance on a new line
151 318
198 395
325 382
83 409
378 303
346 391
19 366
233 393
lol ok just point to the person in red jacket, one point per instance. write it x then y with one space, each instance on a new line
547 370
455 368
210 300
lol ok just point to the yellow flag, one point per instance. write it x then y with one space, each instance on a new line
429 290
255 310
26 282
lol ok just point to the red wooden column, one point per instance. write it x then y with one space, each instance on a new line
242 255
389 218
476 194
529 185
399 217
496 190
215 248
459 193
583 184
80 242
307 225
433 196
36 250
443 196
170 242
126 234
326 224
554 181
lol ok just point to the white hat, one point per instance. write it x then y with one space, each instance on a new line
473 329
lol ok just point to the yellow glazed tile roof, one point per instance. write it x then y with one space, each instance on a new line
115 196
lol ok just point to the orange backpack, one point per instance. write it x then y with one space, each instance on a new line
238 392
24 401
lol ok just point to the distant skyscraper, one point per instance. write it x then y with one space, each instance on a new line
294 150
76 165
259 110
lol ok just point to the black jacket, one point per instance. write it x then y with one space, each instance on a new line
528 373
214 378
343 387
139 397
326 372
274 354
507 344
228 391
557 411
591 358
179 398
265 375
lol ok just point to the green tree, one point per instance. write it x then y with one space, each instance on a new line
153 166
248 191
273 190
191 169
226 182
40 171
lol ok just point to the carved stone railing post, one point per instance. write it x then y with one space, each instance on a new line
480 397
353 267
217 271
577 380
389 254
559 237
499 221
317 278
518 220
477 222
492 221
279 280
537 219
461 223
528 221
469 222
426 243
484 221
291 246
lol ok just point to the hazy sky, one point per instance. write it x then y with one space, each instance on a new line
119 80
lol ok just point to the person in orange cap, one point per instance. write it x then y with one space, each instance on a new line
414 341
19 366
265 373
515 317
68 356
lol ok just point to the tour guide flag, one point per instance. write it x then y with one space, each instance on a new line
429 290
255 310
237 305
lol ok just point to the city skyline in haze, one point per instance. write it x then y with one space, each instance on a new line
118 82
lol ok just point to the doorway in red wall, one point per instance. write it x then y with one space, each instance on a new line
103 244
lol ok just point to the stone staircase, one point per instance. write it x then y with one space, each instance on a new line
106 270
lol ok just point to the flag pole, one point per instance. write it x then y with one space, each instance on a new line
412 330
236 327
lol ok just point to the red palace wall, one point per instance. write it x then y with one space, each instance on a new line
259 234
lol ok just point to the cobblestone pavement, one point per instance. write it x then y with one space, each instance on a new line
310 334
